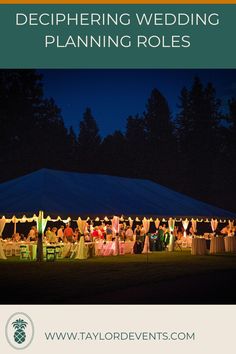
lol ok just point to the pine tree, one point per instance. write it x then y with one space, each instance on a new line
20 95
72 150
32 134
114 155
226 172
158 119
50 136
136 141
89 142
198 138
160 159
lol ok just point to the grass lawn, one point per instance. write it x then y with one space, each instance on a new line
159 278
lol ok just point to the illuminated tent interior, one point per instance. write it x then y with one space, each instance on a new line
72 194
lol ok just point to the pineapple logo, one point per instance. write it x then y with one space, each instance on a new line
19 334
19 330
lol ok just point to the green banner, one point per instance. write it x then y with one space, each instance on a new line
117 36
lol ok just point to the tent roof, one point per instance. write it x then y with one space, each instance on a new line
81 194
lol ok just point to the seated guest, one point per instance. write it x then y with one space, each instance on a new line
22 237
180 233
95 232
108 232
32 235
16 237
101 232
53 237
122 234
48 233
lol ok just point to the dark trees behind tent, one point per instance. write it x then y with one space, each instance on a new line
193 152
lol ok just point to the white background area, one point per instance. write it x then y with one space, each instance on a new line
213 325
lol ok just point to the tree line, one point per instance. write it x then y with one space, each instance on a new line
192 152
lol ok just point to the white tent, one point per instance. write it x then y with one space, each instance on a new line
51 195
82 195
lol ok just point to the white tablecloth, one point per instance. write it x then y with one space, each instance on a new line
33 251
217 245
2 254
32 247
14 247
128 247
108 248
86 249
186 242
66 250
230 244
198 247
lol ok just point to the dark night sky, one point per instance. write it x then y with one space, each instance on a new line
113 95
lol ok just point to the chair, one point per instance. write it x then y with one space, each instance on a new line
73 250
17 250
8 250
90 249
184 243
50 253
178 243
58 252
24 252
189 242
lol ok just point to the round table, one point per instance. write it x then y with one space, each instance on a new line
66 250
230 244
90 246
217 245
33 251
2 254
198 247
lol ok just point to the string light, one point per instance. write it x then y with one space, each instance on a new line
24 219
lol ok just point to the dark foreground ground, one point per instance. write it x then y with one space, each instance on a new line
160 278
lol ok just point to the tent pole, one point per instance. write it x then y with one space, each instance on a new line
14 220
40 237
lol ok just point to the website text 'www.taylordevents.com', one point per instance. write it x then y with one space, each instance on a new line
120 336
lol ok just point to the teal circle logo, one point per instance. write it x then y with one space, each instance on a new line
19 330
